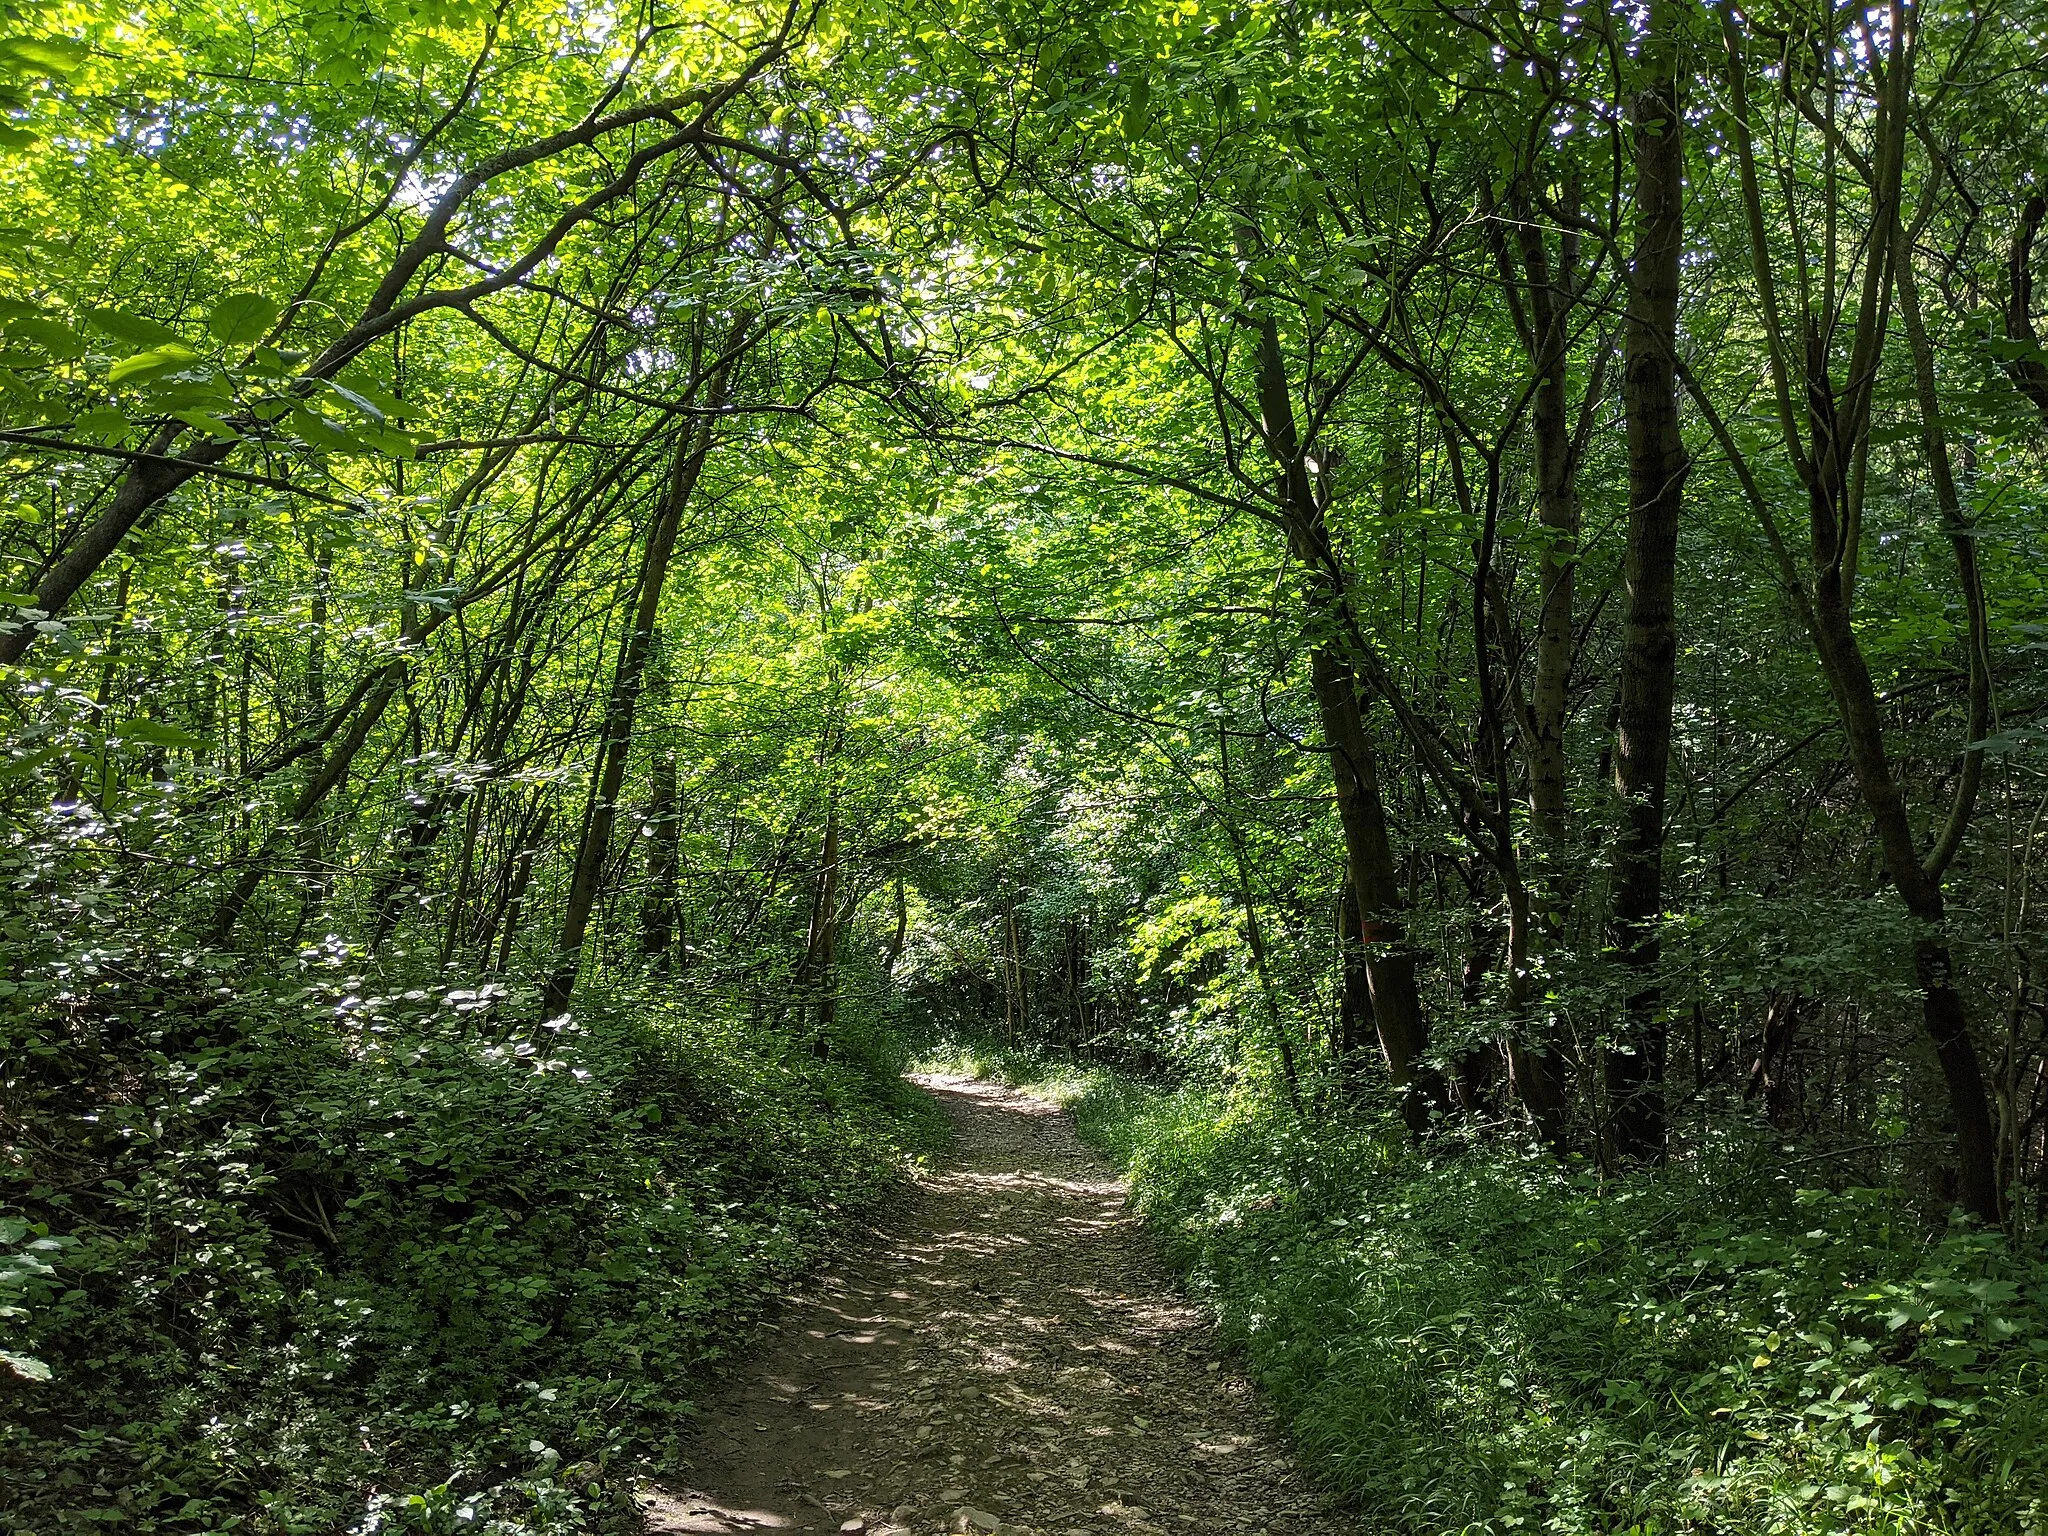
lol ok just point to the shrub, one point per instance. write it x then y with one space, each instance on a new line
295 1260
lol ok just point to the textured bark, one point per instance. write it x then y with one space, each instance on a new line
1633 1071
902 910
1355 1024
2027 370
664 861
1826 447
816 977
1557 510
1920 891
332 771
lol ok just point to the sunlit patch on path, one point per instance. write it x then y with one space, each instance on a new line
1009 1358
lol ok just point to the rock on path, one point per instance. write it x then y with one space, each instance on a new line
1009 1358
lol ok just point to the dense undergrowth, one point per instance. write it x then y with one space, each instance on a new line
1485 1342
322 1260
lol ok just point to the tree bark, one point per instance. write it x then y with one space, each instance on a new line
2026 368
1354 765
331 773
146 484
1632 1071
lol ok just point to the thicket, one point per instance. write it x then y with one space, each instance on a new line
314 1257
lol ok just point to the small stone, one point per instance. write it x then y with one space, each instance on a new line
854 1527
952 1495
838 1472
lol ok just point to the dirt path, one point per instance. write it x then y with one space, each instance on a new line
1009 1358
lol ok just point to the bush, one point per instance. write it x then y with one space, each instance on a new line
294 1261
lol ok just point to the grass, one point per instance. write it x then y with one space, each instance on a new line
1483 1341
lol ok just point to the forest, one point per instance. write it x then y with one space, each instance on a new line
1432 615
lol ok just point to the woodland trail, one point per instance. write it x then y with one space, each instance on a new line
1009 1356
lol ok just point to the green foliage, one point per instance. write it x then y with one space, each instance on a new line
323 1241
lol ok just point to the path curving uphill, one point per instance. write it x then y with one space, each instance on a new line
1009 1357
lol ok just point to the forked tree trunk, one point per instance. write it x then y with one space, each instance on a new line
1826 449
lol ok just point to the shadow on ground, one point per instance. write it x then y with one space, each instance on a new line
1010 1357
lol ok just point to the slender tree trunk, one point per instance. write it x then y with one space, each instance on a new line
1826 452
902 910
2025 367
312 850
609 772
817 978
332 771
1557 510
1920 891
664 860
1369 862
1633 1070
1355 1025
517 883
1354 765
664 833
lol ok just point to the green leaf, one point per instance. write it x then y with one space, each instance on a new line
147 364
361 402
53 336
156 734
1137 113
316 431
242 319
135 330
61 57
208 423
103 423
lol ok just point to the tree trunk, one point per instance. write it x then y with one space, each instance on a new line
1557 510
1633 1070
317 788
816 974
146 484
609 772
902 909
1354 765
664 862
1933 965
1376 890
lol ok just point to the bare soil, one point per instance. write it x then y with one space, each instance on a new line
1010 1356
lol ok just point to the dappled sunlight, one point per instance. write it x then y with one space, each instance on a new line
1009 1359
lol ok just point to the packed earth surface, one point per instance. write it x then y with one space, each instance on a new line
1009 1357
